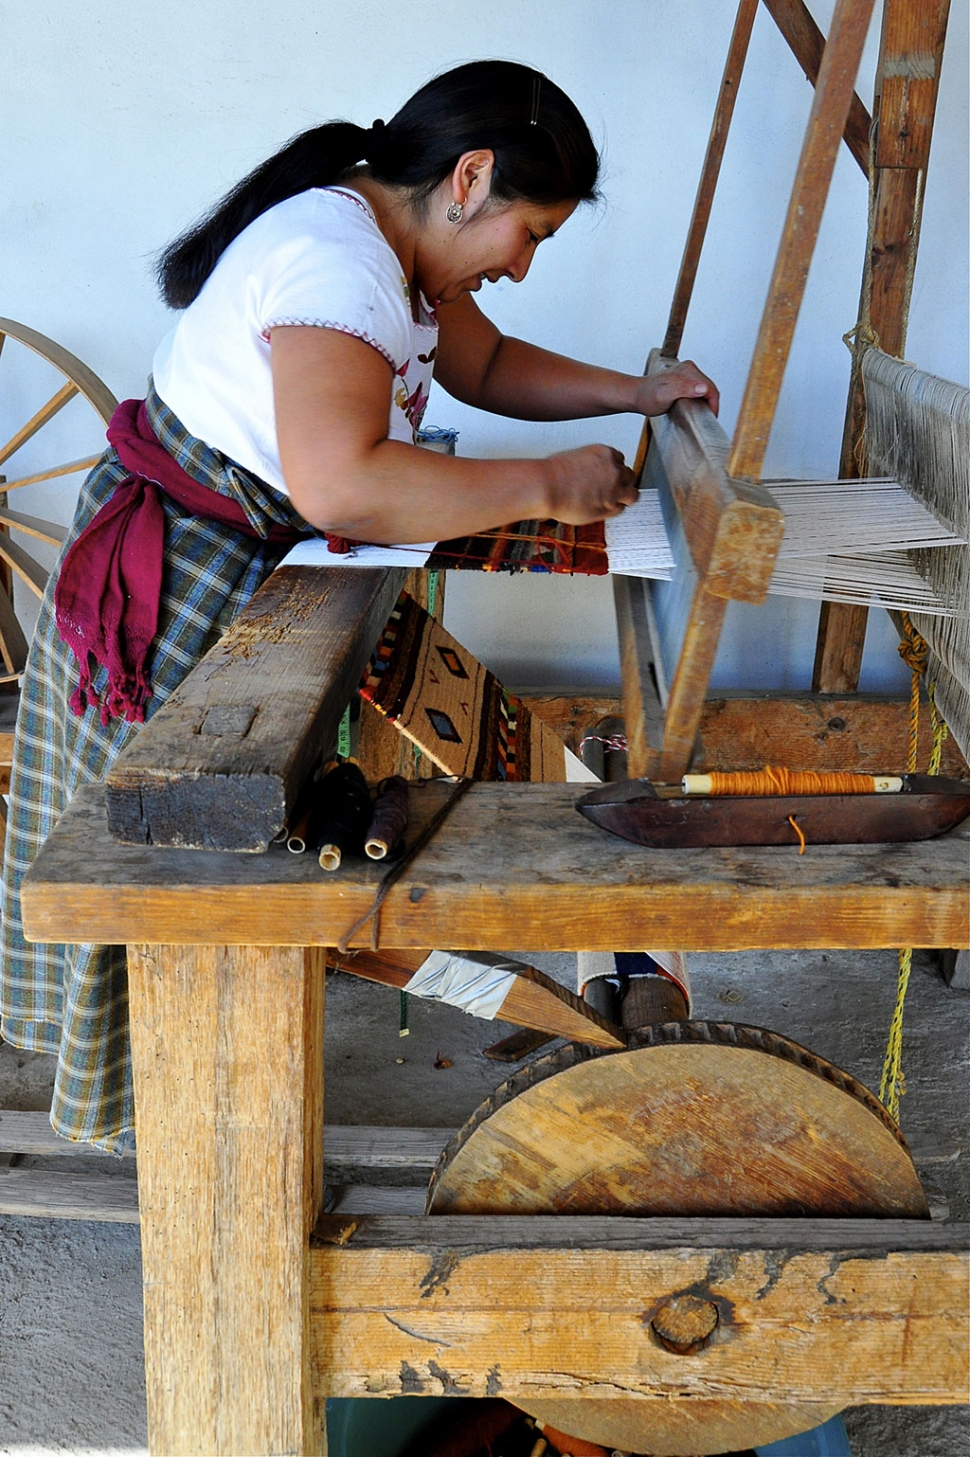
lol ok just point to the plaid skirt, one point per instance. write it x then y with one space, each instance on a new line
73 1000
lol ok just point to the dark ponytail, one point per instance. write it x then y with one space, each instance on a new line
543 153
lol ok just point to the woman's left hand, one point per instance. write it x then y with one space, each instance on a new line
657 392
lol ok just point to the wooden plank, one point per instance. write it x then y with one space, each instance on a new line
825 732
858 733
907 83
31 1133
850 1311
24 565
807 44
13 643
689 687
826 124
697 231
39 1194
639 672
511 865
50 531
227 1059
534 999
733 528
277 683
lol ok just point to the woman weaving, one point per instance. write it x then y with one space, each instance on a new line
318 299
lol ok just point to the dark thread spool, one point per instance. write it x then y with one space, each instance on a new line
341 815
390 818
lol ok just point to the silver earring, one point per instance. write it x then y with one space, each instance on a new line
455 212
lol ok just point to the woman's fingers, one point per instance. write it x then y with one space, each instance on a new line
590 484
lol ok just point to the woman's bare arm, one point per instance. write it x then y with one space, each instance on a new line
332 396
493 371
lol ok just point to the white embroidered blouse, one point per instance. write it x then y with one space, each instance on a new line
318 259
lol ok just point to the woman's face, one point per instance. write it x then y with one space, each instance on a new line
498 240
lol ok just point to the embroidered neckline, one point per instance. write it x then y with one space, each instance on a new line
429 319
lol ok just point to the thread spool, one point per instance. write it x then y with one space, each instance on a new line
784 781
341 815
389 819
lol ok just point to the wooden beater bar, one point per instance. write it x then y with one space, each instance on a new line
716 585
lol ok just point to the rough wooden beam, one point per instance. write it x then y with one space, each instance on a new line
733 527
907 84
221 764
511 865
794 19
227 1050
826 124
849 1311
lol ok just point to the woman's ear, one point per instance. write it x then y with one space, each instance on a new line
471 179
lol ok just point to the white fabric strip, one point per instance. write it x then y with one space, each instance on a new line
475 981
314 552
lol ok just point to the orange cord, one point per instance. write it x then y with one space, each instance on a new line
799 832
775 780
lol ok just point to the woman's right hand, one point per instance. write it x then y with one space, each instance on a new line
589 484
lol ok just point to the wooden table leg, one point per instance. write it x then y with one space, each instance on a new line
227 1046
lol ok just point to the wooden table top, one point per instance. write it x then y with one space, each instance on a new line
512 865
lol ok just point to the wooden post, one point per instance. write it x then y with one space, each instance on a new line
826 124
227 1048
723 112
907 83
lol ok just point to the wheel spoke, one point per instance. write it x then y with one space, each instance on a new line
49 531
68 469
45 413
24 565
13 644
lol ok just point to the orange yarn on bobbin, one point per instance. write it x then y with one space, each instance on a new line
776 780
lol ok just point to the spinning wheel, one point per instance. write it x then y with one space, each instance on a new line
696 1118
40 365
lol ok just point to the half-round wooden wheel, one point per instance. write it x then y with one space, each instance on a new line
47 378
696 1118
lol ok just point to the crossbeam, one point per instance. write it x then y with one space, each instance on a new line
864 1310
512 865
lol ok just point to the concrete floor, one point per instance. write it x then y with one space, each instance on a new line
71 1375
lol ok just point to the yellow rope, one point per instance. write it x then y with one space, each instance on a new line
914 651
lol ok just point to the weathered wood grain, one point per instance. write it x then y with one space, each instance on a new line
222 762
227 1058
640 672
733 527
720 1120
807 43
907 84
40 1194
849 1311
511 865
863 732
534 1000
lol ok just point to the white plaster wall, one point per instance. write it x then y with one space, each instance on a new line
120 122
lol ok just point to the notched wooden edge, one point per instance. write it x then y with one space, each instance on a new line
698 1033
